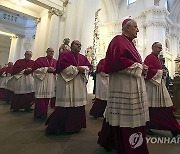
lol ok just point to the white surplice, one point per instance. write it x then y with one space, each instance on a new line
71 87
44 83
21 83
127 104
158 95
102 82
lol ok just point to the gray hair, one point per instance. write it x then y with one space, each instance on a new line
127 25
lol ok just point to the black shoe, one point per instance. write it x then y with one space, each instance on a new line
175 133
149 132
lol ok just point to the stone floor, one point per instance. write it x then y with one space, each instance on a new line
21 134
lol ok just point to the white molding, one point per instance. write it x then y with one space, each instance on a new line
156 10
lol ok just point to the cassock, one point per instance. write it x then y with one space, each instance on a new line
71 94
23 85
8 77
44 85
3 83
127 107
102 82
160 103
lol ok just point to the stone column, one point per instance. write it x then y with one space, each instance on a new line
173 48
41 36
54 29
28 42
155 27
15 48
80 21
140 40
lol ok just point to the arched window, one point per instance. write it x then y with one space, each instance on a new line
130 1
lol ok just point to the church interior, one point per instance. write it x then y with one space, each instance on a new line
36 25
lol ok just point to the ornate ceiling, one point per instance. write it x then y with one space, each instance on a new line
22 7
34 8
31 8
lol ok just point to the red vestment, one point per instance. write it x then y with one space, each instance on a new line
22 101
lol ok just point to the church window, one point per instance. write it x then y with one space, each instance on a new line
131 1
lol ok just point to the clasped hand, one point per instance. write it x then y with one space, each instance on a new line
145 69
81 69
28 69
51 70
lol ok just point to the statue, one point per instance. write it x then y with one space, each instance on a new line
65 46
89 54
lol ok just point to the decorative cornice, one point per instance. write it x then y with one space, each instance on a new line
17 36
54 11
156 23
109 24
157 10
20 36
65 3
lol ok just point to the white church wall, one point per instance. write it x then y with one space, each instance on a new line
53 37
88 24
16 48
172 53
103 14
151 17
79 22
114 27
41 37
4 58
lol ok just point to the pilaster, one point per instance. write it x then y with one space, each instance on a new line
155 25
54 28
15 48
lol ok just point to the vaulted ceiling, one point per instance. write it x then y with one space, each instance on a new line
174 9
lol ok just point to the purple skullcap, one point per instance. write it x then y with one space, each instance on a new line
125 21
